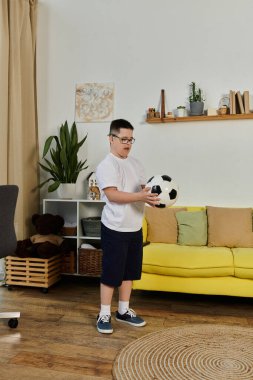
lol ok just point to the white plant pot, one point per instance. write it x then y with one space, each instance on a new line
180 112
67 190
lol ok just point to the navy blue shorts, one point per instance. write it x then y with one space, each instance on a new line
122 256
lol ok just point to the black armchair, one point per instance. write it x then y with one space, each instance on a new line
8 240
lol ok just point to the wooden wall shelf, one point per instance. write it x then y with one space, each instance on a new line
199 118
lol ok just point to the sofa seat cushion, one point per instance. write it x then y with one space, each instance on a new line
243 262
187 261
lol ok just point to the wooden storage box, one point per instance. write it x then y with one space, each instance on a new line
32 271
69 231
90 262
69 262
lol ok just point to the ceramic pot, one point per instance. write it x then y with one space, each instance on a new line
180 112
67 190
196 108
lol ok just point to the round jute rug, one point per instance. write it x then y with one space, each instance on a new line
193 352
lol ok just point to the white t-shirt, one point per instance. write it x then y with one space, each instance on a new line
126 175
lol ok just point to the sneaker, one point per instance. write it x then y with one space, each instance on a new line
104 324
131 318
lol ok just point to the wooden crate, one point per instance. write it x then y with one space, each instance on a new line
69 262
32 271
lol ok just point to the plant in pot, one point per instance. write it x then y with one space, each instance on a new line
196 100
62 163
181 111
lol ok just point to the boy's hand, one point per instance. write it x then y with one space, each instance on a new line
151 199
121 197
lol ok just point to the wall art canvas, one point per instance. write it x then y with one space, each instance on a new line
94 102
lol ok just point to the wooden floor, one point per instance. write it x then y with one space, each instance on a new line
56 337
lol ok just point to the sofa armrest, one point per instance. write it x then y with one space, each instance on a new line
144 229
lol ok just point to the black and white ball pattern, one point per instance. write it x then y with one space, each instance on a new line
165 187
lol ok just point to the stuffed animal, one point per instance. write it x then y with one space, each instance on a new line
47 242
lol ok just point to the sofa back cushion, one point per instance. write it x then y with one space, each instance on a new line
162 224
192 227
229 227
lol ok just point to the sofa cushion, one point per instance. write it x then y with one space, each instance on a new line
243 262
192 228
229 227
187 261
162 224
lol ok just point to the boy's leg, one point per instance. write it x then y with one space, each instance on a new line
124 313
124 296
125 290
106 293
104 318
132 271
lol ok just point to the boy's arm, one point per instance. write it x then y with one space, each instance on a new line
114 195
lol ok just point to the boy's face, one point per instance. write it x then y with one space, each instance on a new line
120 142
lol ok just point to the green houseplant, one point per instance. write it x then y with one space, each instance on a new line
196 100
62 163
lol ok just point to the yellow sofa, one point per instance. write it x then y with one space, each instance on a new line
196 269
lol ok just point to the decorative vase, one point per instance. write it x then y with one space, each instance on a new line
196 108
67 190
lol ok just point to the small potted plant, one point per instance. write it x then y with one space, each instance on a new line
180 111
61 161
196 100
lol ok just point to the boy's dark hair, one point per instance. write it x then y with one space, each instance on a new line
119 123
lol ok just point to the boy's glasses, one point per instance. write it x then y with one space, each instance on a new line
124 140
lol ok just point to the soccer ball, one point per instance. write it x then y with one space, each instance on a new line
166 189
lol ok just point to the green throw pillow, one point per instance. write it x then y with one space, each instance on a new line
192 227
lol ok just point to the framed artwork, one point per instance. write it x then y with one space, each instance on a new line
94 102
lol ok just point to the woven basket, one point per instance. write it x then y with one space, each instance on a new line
90 262
222 111
91 226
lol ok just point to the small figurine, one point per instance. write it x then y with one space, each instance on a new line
93 189
95 192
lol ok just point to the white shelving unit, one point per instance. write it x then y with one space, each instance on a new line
73 210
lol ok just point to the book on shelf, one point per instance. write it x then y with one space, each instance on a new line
237 109
246 101
240 103
232 104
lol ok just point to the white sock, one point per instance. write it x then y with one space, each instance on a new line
123 306
105 310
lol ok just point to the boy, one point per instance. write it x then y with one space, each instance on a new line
122 181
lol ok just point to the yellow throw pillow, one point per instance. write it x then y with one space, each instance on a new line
229 227
162 224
